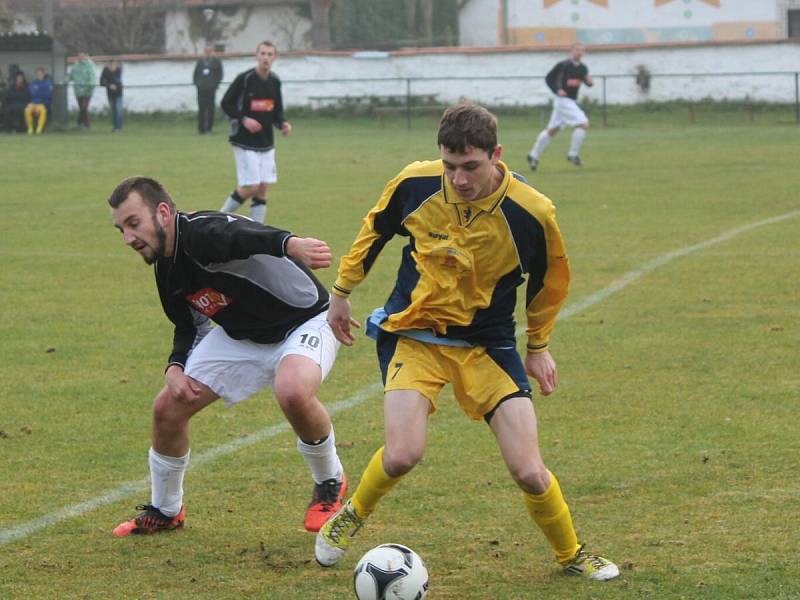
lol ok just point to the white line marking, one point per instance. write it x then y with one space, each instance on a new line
127 489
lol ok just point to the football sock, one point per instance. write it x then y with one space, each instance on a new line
258 209
166 481
577 139
232 202
321 458
375 484
541 143
552 515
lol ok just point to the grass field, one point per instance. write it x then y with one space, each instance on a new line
673 432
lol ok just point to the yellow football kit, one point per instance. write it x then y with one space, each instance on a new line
457 282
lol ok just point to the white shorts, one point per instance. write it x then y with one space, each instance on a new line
237 369
566 113
254 167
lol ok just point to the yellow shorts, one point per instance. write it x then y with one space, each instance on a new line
481 377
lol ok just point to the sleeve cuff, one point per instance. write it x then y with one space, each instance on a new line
538 347
340 291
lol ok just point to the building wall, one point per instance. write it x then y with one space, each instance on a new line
558 22
494 77
240 30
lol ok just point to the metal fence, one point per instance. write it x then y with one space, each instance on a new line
410 96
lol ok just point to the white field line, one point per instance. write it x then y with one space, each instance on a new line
125 490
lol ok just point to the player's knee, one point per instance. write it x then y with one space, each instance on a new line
397 462
292 395
166 413
532 478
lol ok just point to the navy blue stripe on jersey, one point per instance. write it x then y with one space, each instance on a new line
529 238
407 279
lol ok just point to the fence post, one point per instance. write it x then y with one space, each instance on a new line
605 105
408 103
797 97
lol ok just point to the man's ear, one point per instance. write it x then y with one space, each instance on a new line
164 213
497 152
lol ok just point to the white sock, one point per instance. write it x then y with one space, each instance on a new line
577 139
166 481
230 205
322 458
258 211
541 143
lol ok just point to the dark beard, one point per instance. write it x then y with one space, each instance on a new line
158 250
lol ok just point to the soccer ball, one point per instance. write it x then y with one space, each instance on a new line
390 572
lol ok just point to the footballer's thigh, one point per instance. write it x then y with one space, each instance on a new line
514 426
405 416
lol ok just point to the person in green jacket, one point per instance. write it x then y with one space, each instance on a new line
84 79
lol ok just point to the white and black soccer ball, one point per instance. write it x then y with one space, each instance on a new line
390 572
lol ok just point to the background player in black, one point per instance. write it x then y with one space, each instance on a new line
207 77
255 283
564 80
255 105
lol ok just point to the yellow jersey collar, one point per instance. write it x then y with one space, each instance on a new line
489 203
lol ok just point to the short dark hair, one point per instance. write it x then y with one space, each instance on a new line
151 191
267 43
468 125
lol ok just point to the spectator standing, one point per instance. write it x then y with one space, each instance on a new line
207 77
255 105
111 79
565 80
41 95
84 79
16 99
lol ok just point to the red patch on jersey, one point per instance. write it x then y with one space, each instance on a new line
574 82
209 301
262 104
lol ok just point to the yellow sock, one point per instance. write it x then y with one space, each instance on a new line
552 515
374 485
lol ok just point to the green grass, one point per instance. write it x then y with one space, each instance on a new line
673 432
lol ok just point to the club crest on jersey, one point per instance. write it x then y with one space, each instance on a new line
209 301
262 104
467 213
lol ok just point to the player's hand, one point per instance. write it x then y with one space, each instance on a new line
286 128
251 125
181 386
340 319
312 252
542 367
588 80
561 93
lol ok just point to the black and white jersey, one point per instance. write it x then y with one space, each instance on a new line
567 76
234 271
252 96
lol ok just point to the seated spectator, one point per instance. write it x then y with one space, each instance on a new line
41 94
15 101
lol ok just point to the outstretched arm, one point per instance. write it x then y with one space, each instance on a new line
312 252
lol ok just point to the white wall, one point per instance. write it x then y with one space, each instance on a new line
518 76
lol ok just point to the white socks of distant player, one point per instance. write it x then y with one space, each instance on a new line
230 205
258 211
577 139
166 481
322 458
541 143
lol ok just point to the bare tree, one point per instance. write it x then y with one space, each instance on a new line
115 27
425 9
321 24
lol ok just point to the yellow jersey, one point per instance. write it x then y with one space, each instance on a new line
464 260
